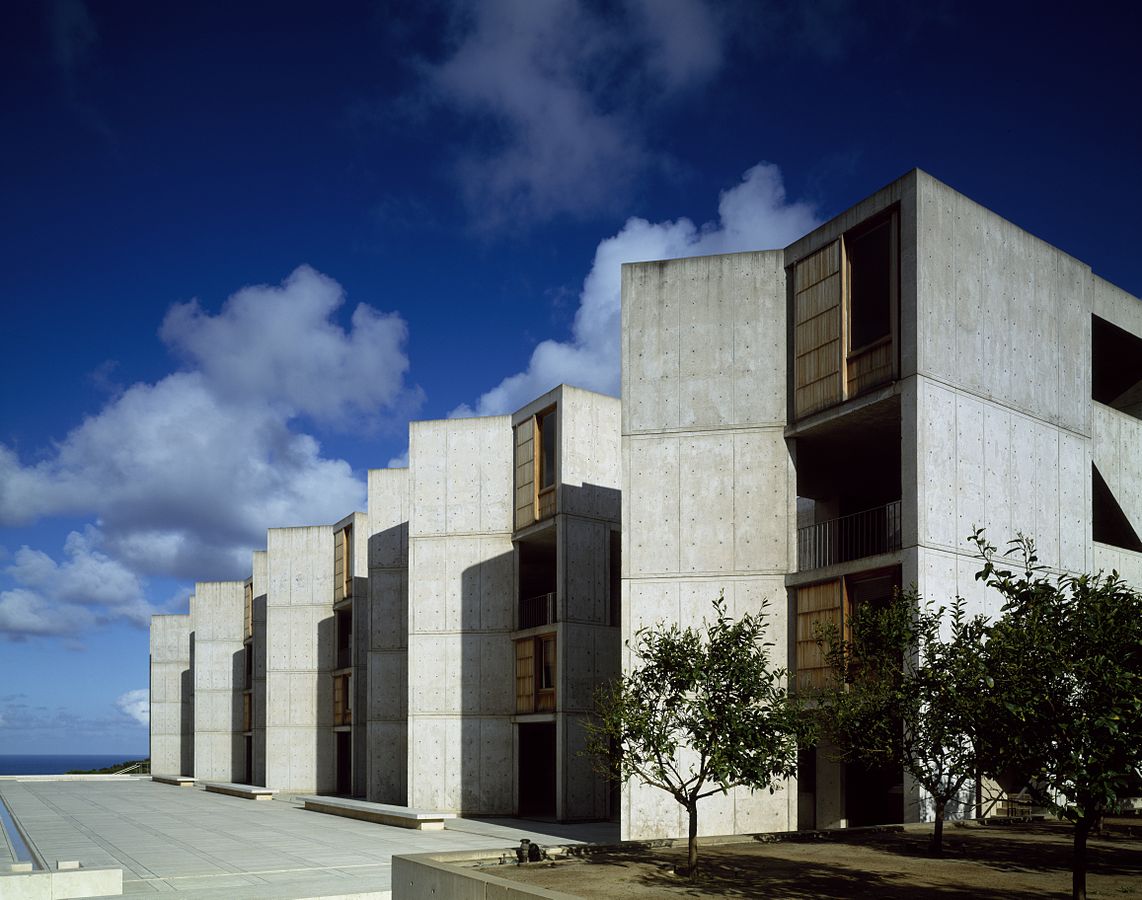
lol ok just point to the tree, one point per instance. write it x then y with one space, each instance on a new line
902 693
703 712
1064 708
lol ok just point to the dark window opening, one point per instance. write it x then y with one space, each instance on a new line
1110 525
344 619
1116 367
537 578
547 665
248 665
537 770
546 426
871 278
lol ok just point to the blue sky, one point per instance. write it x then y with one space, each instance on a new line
243 244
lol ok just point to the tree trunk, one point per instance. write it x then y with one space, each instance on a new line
692 854
1078 862
936 848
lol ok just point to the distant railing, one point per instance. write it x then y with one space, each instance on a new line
855 536
536 611
139 768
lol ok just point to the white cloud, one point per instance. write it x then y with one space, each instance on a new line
558 91
25 613
136 704
184 475
278 345
752 215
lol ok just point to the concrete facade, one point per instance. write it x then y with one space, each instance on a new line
459 615
216 621
299 659
387 701
913 369
171 720
708 484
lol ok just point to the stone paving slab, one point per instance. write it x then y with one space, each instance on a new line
207 846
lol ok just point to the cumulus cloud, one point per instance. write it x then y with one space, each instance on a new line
184 475
559 92
87 577
26 613
136 705
754 214
279 345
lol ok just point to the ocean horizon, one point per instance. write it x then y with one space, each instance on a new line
60 763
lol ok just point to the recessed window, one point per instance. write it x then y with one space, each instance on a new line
1109 524
546 427
1116 367
871 258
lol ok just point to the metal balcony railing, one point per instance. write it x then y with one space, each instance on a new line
536 611
855 536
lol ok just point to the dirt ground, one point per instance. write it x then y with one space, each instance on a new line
1011 862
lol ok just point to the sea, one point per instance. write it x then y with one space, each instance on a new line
58 765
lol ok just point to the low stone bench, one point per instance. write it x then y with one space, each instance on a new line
176 780
382 813
248 791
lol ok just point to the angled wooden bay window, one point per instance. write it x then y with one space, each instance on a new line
343 564
536 440
535 674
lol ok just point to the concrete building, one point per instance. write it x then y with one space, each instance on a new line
815 425
441 650
171 689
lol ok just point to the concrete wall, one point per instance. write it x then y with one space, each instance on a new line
387 636
217 611
709 494
1001 411
1117 451
460 655
172 727
299 658
258 646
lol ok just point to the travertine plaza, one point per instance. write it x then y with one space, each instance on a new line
806 427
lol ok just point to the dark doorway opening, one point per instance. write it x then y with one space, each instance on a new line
249 775
537 770
344 762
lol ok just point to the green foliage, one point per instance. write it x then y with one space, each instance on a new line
1064 698
906 691
703 712
1065 683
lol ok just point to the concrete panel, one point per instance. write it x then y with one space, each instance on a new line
582 564
171 731
650 490
706 502
590 472
1126 563
764 502
217 613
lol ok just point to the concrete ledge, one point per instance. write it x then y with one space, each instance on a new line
247 791
66 883
176 780
423 877
382 813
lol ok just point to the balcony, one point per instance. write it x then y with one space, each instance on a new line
536 611
866 533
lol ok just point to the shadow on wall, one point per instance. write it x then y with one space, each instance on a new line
323 775
186 729
383 710
485 681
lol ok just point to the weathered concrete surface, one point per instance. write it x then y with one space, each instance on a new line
709 493
460 655
172 723
299 657
387 635
216 616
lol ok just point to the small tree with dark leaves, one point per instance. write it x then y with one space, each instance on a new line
1064 670
906 693
702 712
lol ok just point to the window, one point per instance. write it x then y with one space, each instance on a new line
248 613
535 675
342 700
546 428
616 578
871 256
343 564
1116 367
343 620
